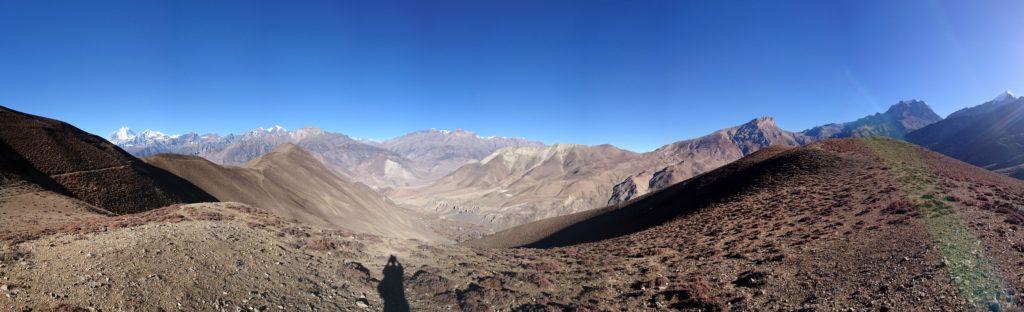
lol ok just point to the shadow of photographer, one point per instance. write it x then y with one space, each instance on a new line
391 288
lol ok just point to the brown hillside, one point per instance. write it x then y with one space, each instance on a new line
291 183
515 185
817 222
861 224
67 160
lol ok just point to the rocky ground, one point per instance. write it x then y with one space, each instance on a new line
844 225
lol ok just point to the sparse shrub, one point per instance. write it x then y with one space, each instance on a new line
61 307
12 255
695 294
1019 247
752 279
1015 219
295 231
899 207
209 216
354 272
320 243
428 282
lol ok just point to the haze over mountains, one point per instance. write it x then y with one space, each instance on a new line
293 184
439 152
501 182
990 135
520 184
408 160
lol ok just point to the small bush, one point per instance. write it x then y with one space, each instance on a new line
899 207
320 243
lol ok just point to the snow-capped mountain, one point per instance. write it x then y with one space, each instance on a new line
126 137
122 135
989 135
999 101
412 159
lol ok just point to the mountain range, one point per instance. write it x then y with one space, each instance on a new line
519 184
501 182
750 217
59 158
412 159
990 135
684 159
291 183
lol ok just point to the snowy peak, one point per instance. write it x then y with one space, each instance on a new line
1004 97
150 134
997 102
276 129
126 137
124 134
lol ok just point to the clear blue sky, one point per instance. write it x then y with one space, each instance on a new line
637 74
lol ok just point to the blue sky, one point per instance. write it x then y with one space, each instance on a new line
637 74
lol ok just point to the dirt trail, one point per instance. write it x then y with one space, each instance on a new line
977 279
89 171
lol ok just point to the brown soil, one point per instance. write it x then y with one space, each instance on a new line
293 184
836 225
64 159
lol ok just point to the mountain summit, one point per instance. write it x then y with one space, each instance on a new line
291 182
69 161
987 107
439 152
900 119
990 135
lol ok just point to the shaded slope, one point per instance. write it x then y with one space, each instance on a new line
990 135
291 183
658 207
515 185
901 118
678 161
829 220
855 234
681 160
62 158
353 159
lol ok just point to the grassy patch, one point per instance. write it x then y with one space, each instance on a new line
975 277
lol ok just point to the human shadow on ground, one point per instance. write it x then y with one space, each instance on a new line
391 289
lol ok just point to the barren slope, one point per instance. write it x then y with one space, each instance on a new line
901 118
681 160
64 159
839 225
293 184
522 184
439 152
790 223
990 135
352 159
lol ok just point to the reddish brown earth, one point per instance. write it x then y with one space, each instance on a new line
63 159
836 225
291 183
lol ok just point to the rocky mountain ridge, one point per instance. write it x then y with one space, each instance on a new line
409 160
